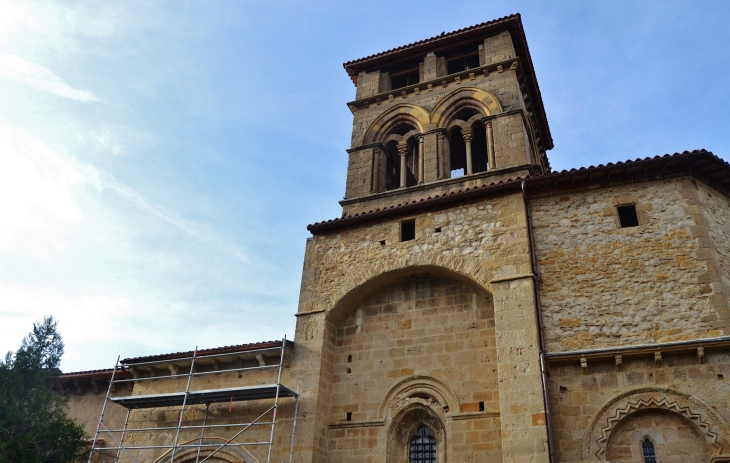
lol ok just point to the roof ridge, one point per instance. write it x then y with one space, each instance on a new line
442 35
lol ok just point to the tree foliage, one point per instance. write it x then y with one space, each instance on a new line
34 427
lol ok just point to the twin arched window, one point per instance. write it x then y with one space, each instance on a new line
423 446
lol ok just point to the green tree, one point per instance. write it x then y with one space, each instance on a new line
34 427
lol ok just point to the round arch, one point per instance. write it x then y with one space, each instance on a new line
226 454
416 389
362 284
469 96
605 420
404 424
413 114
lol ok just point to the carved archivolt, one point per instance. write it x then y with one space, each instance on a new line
412 114
423 390
482 99
710 424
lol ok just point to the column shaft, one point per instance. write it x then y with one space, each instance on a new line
467 141
490 147
420 160
403 150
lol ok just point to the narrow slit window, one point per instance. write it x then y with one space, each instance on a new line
627 216
408 230
647 448
349 416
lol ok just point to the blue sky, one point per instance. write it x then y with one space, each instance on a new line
159 161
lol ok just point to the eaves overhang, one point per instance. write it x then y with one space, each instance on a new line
699 163
214 351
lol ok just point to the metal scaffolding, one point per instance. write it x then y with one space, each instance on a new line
190 397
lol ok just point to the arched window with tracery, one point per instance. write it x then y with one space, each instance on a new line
422 446
647 450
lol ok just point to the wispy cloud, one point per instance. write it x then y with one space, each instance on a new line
15 68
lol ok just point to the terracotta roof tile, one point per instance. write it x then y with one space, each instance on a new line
443 35
211 351
348 219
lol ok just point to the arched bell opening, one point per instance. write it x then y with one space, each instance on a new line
412 161
392 166
457 153
480 162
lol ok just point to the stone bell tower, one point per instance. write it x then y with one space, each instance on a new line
416 323
459 110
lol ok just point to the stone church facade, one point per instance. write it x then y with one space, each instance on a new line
472 305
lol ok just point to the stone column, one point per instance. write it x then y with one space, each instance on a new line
467 141
420 158
442 163
403 151
490 146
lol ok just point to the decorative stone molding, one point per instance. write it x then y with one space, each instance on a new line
359 285
399 113
708 421
482 99
423 390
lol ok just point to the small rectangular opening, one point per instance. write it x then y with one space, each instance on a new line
408 230
437 230
720 376
382 242
627 216
462 63
349 416
481 406
404 80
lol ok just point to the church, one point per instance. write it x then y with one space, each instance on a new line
470 304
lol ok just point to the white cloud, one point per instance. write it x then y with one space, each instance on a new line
36 192
15 68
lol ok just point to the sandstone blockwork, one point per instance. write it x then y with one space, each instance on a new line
470 304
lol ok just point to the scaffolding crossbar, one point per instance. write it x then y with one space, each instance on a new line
185 398
211 396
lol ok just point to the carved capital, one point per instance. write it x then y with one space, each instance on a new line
402 148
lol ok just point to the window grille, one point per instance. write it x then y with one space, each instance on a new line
423 447
648 450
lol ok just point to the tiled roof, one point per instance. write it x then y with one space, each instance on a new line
89 373
212 351
441 37
700 162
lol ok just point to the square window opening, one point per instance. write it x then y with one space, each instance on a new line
408 230
627 216
437 230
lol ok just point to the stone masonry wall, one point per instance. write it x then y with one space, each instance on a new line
576 399
498 48
477 239
420 326
716 208
605 286
359 173
475 243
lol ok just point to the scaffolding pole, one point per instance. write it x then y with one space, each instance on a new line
189 397
103 409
